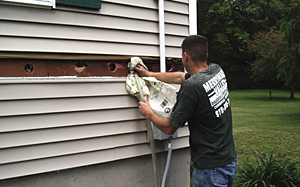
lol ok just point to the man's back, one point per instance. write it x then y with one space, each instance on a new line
203 101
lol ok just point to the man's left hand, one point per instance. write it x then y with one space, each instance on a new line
145 109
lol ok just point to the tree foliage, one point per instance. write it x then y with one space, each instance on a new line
268 48
228 25
289 65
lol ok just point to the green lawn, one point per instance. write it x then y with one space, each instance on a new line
261 124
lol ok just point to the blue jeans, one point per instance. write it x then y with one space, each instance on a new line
217 177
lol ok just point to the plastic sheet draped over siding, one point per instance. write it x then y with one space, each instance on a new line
118 28
49 125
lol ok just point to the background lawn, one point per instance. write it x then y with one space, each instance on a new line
261 124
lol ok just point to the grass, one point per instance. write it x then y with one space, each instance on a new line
262 124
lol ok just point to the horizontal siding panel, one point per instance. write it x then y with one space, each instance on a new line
42 136
174 41
177 30
53 149
39 88
83 159
61 17
184 131
40 106
176 6
72 46
70 147
173 52
41 121
181 1
50 31
137 3
129 10
177 19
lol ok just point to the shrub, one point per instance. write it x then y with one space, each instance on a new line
268 171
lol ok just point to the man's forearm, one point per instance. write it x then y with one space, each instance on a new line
163 124
169 77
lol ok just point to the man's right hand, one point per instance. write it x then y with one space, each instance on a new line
142 71
169 77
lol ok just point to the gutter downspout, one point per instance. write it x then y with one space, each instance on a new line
192 17
162 52
162 48
53 4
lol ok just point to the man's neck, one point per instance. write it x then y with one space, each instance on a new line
198 67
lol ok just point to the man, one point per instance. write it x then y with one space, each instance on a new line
203 102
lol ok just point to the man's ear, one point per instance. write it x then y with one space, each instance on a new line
186 56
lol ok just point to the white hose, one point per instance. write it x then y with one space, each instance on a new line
167 164
151 138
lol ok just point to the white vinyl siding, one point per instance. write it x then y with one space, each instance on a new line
118 28
49 125
41 3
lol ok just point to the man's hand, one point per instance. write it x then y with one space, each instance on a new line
145 109
142 71
162 124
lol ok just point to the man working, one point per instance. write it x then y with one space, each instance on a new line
203 102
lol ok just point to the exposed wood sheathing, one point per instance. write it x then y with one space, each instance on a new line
79 68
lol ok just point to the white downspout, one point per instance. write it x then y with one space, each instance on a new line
53 4
193 17
162 48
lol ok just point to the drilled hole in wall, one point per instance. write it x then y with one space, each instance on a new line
112 67
169 67
28 68
80 64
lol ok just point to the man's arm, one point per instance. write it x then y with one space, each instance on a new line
162 124
169 77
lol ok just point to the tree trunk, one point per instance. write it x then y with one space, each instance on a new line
292 93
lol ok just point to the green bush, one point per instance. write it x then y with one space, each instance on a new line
268 171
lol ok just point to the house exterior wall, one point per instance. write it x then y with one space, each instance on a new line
133 172
55 124
49 124
118 28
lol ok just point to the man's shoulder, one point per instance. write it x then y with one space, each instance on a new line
214 66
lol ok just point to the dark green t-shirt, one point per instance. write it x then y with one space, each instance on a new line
203 102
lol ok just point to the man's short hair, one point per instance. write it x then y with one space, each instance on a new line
196 47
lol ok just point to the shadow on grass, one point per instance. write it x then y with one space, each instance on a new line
275 98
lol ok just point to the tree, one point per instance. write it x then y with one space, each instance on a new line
228 25
289 65
268 47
